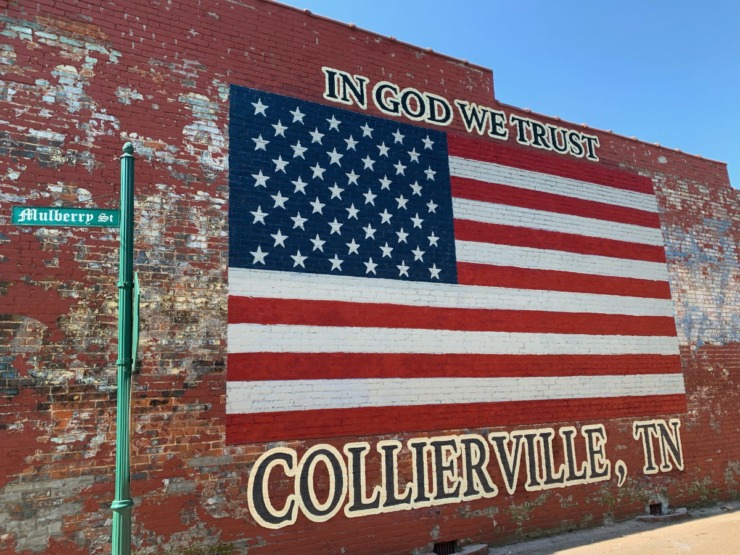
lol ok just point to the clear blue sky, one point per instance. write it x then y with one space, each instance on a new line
664 71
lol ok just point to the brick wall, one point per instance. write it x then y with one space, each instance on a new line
80 79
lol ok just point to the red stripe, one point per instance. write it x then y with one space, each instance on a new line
322 366
467 230
523 278
550 163
335 313
313 424
524 198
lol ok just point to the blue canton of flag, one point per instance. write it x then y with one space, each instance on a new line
328 191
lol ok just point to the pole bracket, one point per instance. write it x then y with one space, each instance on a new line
121 504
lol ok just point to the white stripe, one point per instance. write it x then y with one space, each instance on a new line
319 287
541 259
503 214
298 395
282 338
546 183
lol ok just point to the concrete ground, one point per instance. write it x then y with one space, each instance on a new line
713 530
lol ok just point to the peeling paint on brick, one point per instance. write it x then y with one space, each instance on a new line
126 95
33 524
708 256
204 135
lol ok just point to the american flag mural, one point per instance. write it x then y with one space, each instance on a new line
389 278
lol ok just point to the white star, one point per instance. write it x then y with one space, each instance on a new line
259 215
260 108
260 180
385 216
318 171
433 240
352 176
333 123
259 255
336 191
402 236
418 253
260 143
383 149
367 131
298 259
416 187
386 250
279 200
369 231
317 206
417 220
316 136
297 115
434 271
369 197
399 168
401 200
368 162
414 155
397 137
280 164
353 247
279 238
279 129
318 244
403 270
432 207
430 173
351 143
352 212
298 150
336 263
335 157
385 183
335 227
427 142
298 221
300 185
370 265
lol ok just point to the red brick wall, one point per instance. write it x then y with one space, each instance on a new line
79 79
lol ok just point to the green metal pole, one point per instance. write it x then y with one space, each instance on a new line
122 503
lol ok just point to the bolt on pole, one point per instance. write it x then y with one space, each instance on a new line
122 504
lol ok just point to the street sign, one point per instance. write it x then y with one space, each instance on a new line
65 217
